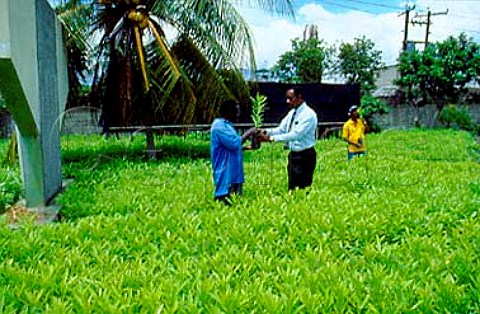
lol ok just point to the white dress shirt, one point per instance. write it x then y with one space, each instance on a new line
301 135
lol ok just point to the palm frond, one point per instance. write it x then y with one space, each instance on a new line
184 74
209 87
218 30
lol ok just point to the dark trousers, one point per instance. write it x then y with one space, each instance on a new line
301 166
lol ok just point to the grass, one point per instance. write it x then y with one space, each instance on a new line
396 232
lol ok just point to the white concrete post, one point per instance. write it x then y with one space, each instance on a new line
33 82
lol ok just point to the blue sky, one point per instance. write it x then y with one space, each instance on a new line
342 6
343 20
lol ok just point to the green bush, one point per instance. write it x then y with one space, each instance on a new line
456 117
10 188
369 106
10 182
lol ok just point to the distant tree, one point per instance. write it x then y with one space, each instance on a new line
307 61
360 63
441 72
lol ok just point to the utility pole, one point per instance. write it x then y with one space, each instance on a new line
405 32
428 22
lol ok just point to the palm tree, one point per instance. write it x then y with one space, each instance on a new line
161 61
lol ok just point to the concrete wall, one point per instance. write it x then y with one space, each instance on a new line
387 75
82 120
404 116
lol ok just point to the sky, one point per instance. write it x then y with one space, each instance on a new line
343 20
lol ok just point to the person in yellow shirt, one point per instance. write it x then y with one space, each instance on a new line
354 134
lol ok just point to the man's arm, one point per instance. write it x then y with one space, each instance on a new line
228 137
248 133
281 128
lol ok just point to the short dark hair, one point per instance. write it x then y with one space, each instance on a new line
228 108
297 91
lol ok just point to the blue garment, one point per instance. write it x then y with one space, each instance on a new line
226 156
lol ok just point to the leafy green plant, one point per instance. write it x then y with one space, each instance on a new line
397 233
457 117
258 108
369 106
10 188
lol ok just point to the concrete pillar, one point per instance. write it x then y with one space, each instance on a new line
33 82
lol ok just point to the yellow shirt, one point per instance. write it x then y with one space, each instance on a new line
355 132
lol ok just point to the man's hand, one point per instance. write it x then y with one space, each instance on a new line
367 127
263 137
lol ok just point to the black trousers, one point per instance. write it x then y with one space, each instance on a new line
301 166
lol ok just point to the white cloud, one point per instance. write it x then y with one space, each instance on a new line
273 34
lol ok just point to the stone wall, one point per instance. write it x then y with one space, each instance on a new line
405 116
74 121
86 120
81 120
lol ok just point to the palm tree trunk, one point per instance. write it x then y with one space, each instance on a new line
151 150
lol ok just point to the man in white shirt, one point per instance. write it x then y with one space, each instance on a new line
297 132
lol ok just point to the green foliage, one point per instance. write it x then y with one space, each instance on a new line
454 116
258 107
396 232
10 183
441 71
305 63
3 105
360 63
10 187
370 105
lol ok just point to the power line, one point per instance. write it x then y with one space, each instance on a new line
347 7
376 4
